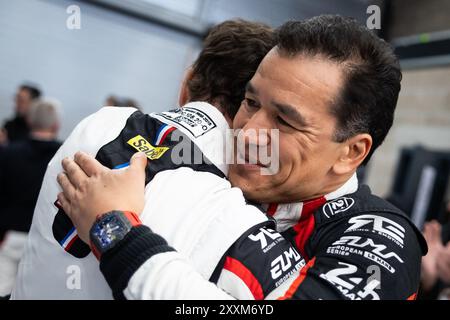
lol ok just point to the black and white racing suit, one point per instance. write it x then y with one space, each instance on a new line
356 247
348 244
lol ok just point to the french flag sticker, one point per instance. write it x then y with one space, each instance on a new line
69 239
66 236
162 133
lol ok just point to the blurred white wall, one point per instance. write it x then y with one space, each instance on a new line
422 117
111 53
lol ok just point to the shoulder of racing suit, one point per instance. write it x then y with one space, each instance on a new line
261 264
360 247
146 133
160 149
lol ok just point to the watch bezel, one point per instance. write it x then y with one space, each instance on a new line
97 240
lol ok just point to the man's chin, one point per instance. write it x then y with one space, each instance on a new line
251 185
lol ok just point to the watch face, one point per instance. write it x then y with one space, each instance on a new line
111 228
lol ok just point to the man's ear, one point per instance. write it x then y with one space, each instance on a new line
353 153
184 96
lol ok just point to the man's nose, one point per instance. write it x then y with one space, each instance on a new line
257 130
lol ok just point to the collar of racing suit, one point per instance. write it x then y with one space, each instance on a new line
289 214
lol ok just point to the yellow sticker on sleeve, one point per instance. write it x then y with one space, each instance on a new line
140 144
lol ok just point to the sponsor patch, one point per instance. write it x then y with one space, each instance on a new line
379 225
268 238
284 262
140 144
337 206
368 244
345 279
193 120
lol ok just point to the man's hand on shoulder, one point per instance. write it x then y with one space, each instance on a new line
91 189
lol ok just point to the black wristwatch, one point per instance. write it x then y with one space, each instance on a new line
109 229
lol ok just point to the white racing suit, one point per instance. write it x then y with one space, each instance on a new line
192 205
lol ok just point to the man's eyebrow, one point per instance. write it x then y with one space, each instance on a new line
250 88
291 112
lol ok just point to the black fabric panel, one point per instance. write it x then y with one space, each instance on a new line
120 263
119 151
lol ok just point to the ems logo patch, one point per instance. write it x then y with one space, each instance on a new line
140 144
193 120
337 206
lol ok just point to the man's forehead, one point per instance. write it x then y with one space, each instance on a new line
312 77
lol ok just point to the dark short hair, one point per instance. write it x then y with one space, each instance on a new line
231 54
367 100
33 91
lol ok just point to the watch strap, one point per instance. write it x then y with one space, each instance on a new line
132 217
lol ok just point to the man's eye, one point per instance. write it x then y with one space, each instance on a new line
284 123
251 103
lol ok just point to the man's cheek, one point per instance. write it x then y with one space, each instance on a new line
294 165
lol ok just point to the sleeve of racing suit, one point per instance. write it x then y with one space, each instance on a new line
369 256
157 271
366 257
260 265
119 264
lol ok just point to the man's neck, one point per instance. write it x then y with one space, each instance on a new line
288 214
349 186
332 188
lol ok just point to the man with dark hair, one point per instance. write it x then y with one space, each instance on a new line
366 63
359 78
330 88
17 128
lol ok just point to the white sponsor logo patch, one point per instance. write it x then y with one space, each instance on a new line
380 225
340 205
193 120
379 249
367 248
283 262
262 237
341 278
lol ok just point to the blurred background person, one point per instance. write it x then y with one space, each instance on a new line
22 168
111 100
17 128
436 264
116 101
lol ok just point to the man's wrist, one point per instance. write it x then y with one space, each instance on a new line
110 228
